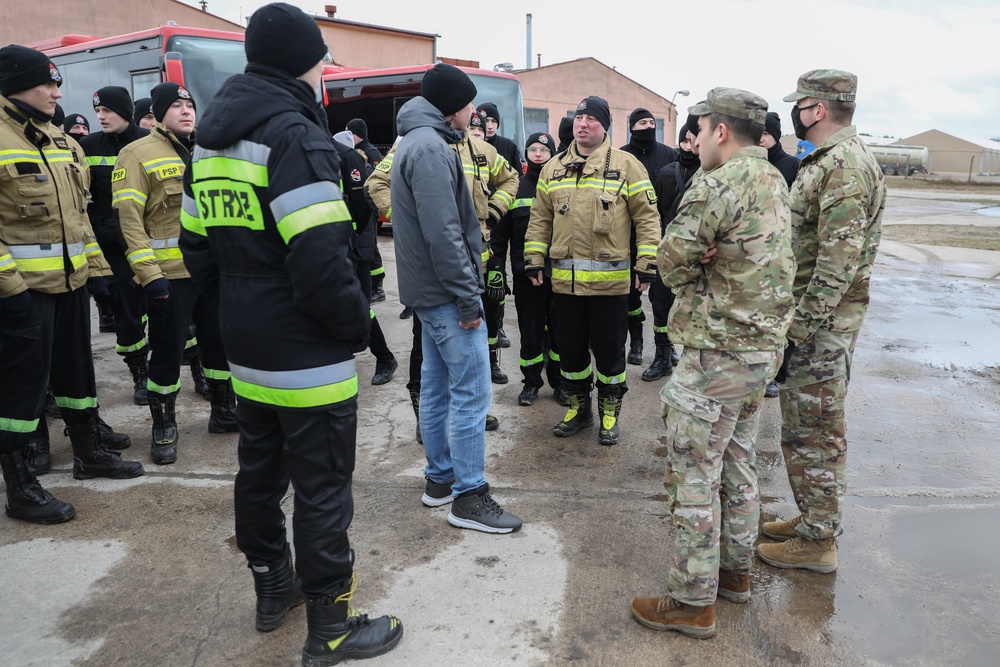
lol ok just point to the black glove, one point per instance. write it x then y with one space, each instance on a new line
98 286
783 371
532 272
157 289
15 307
495 291
645 278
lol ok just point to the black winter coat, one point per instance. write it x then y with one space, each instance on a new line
101 150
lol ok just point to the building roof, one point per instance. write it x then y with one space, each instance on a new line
987 144
588 60
376 28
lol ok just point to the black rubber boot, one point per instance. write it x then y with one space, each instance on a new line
36 449
223 417
105 313
90 459
109 439
634 343
278 590
140 372
609 402
164 445
378 294
661 366
337 632
415 402
496 375
199 379
502 340
579 415
26 499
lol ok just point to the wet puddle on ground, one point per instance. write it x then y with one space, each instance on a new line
992 211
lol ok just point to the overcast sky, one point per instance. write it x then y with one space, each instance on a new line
921 64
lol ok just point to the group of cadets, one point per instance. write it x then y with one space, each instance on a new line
275 215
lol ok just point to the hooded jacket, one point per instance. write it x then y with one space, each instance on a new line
787 164
435 227
101 149
267 234
653 157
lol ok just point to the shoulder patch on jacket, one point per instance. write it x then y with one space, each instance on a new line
651 196
384 165
118 175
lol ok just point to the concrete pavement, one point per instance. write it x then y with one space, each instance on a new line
148 572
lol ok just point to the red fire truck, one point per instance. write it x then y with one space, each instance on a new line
202 59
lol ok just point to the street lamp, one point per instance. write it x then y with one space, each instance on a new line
685 93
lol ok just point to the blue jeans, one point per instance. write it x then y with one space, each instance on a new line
455 393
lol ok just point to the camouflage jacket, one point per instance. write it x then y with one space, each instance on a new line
742 299
837 202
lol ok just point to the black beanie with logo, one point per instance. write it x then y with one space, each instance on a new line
284 37
448 88
22 68
165 94
490 110
75 119
598 108
115 98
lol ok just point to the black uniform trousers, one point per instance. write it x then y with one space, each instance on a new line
491 314
376 339
663 300
169 331
315 450
416 356
635 314
591 323
129 309
53 340
534 322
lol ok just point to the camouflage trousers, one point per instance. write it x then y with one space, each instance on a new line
814 430
711 411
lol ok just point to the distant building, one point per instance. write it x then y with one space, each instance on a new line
554 91
951 154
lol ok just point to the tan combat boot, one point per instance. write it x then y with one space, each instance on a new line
667 613
781 530
734 586
800 553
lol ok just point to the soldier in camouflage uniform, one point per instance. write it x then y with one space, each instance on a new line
728 258
837 202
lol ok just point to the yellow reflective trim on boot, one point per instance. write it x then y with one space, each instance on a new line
334 643
608 422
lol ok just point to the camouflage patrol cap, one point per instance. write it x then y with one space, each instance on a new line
826 84
732 102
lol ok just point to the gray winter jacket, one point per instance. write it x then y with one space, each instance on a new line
435 229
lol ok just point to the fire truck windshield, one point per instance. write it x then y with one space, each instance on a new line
506 94
207 62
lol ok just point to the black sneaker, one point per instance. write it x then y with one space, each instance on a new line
436 494
384 370
477 510
492 423
527 395
772 391
406 313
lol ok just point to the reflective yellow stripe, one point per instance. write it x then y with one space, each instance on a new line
101 160
167 253
218 166
582 276
581 375
531 362
140 255
304 388
611 379
130 194
18 425
521 203
323 213
12 156
92 249
6 262
536 246
636 188
641 250
505 196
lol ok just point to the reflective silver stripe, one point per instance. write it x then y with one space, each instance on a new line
44 250
160 244
589 264
189 206
307 195
248 151
305 378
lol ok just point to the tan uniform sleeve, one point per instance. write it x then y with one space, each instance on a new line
377 187
130 191
11 282
539 235
645 217
504 182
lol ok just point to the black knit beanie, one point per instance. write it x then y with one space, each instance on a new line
682 135
543 138
164 94
115 98
598 108
692 124
478 120
772 125
490 110
358 127
22 68
285 38
447 88
565 131
638 115
75 119
143 106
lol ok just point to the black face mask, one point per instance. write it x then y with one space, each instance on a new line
644 138
800 129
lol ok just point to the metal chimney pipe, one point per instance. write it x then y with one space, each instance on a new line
527 52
